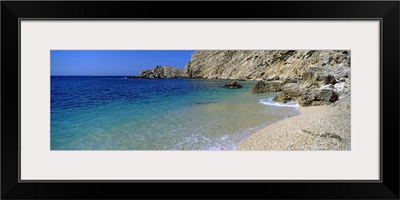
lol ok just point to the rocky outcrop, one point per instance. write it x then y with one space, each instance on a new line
267 86
290 92
310 77
318 76
233 84
306 96
261 64
171 72
317 97
159 72
343 103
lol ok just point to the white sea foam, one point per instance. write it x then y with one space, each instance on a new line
273 103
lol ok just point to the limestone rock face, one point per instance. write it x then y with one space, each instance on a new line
159 72
317 77
342 71
310 77
170 72
267 86
261 64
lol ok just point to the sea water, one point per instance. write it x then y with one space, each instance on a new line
116 113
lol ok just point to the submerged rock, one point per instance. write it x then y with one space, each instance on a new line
233 84
267 86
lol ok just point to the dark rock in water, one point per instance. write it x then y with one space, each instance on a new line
267 86
241 79
233 84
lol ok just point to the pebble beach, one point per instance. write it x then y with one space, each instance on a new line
322 128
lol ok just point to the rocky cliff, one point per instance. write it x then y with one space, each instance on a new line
159 72
310 77
261 64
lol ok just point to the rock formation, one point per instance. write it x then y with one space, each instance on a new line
261 64
318 86
310 77
159 72
267 86
233 84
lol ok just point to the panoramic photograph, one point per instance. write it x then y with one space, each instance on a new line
200 100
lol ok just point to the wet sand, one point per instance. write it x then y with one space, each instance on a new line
316 128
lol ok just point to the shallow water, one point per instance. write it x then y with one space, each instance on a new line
114 113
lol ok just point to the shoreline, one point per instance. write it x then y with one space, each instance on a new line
315 128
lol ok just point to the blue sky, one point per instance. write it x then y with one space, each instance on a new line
114 62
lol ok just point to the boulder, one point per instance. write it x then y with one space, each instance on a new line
320 96
233 84
315 77
342 89
307 97
344 103
267 86
290 92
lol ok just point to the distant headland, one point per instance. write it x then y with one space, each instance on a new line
310 77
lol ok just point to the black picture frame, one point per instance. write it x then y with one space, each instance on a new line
386 11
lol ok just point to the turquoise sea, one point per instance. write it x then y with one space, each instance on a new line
115 113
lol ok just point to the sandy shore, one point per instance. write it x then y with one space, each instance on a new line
316 128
